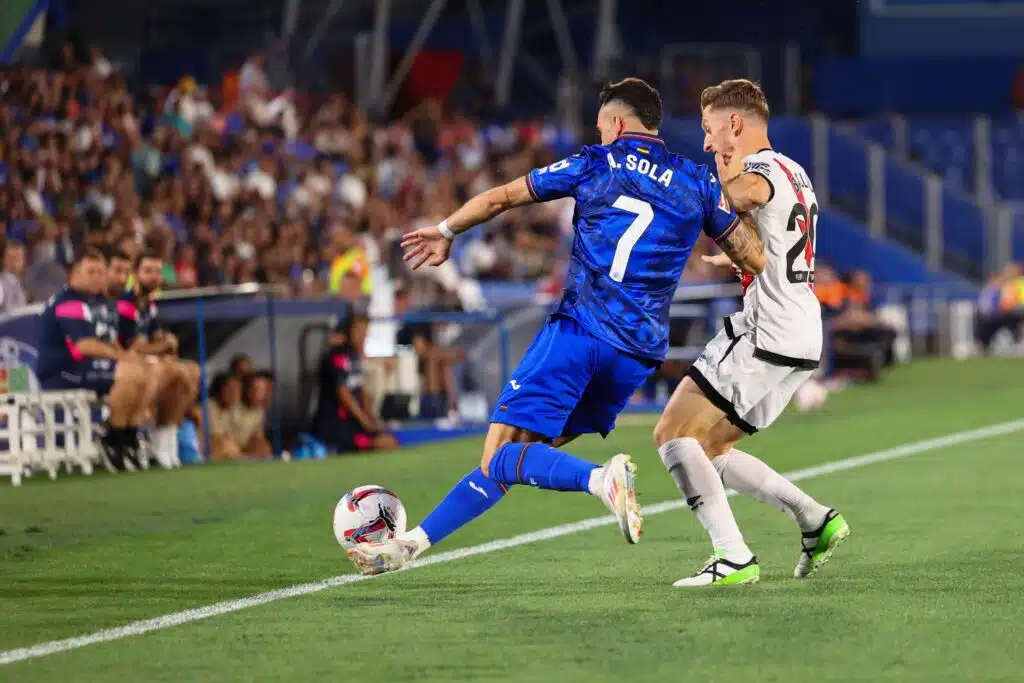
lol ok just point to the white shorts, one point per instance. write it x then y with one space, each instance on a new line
752 392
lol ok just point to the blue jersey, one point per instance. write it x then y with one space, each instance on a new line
69 316
639 211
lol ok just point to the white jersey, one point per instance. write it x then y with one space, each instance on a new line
779 305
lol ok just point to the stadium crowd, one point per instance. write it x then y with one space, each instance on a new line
242 184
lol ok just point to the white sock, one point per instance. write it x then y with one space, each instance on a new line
700 484
752 477
165 443
418 536
596 484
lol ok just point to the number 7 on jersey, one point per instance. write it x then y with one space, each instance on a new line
644 215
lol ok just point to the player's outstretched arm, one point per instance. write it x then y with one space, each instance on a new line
431 246
489 204
744 247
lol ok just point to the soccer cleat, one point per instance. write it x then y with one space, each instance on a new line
618 491
375 557
721 572
819 544
112 460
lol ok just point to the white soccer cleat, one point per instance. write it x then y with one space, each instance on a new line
618 491
719 571
384 556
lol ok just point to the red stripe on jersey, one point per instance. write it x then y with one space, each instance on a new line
801 224
76 355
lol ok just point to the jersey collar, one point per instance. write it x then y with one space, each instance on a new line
643 137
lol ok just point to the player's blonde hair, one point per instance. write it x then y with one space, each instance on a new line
740 94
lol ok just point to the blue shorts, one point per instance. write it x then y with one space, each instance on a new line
92 374
570 382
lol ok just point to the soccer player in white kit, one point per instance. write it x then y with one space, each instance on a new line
749 372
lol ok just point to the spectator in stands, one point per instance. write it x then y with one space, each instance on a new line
860 341
261 106
344 418
348 256
252 414
225 392
12 293
240 366
488 258
1001 306
439 396
225 199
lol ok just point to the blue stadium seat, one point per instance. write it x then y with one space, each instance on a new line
878 130
963 233
904 202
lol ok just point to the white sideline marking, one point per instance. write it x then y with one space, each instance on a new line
138 628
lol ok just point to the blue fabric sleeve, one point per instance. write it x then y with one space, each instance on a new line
561 178
719 218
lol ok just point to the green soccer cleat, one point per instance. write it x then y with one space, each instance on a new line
721 572
819 544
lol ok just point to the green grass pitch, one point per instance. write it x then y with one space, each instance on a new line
928 588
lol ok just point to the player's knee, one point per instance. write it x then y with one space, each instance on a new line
668 429
491 448
485 459
188 375
714 447
132 375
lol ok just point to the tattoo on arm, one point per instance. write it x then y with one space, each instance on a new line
744 246
489 204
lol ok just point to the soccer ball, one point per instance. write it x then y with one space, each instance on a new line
810 396
368 513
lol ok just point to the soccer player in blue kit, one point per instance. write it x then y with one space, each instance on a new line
639 211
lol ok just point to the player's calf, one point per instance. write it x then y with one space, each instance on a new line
132 381
688 418
511 456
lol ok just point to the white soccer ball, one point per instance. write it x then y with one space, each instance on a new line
810 396
368 513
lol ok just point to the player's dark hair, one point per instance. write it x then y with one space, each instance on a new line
236 362
116 253
639 96
219 382
149 254
89 253
739 93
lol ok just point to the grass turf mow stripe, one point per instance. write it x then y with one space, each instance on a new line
137 628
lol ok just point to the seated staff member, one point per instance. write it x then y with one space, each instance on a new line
140 329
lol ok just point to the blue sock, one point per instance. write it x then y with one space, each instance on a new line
470 498
540 465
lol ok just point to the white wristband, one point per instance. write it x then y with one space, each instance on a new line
445 231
